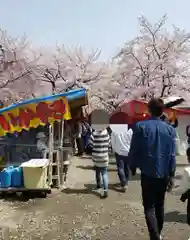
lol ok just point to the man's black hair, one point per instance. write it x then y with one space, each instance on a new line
156 107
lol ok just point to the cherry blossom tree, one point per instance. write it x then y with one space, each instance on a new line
67 69
156 62
106 93
16 68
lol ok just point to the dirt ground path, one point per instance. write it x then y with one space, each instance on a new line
79 214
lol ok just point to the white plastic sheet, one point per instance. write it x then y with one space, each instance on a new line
184 183
36 163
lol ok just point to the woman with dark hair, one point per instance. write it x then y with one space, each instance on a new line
79 138
175 123
164 118
86 132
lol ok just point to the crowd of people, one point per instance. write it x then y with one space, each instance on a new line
149 146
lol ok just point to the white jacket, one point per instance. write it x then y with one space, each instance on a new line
121 142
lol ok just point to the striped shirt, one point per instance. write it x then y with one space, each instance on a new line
100 141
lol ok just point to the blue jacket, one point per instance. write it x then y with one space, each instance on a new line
153 148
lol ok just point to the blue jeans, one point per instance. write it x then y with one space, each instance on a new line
102 176
122 169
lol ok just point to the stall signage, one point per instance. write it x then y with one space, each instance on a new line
27 116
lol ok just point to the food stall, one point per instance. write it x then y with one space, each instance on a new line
130 112
136 110
30 115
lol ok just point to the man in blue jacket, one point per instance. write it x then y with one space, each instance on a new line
153 152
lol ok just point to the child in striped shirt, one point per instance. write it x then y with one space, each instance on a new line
99 142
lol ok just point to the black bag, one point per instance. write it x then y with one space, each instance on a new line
88 150
186 196
188 153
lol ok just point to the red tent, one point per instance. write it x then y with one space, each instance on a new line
119 118
136 110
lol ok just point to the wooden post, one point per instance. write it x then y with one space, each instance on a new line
51 147
62 132
61 150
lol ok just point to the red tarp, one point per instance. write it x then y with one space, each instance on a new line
137 110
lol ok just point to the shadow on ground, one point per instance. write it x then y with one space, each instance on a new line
137 177
85 157
182 165
175 216
112 163
89 189
17 197
89 167
85 191
178 177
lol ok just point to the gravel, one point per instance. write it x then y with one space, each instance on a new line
79 214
